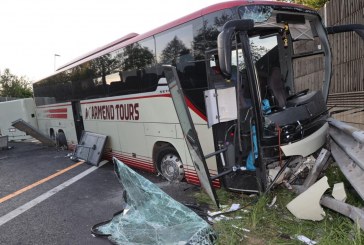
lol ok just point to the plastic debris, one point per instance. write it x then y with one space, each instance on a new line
338 192
242 229
234 206
299 208
306 240
274 200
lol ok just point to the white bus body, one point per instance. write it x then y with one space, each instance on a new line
134 124
13 110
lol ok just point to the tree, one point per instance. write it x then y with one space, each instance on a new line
136 57
316 4
14 86
173 50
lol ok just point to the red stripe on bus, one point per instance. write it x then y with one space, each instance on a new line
55 115
60 110
110 152
194 179
193 108
129 98
138 165
146 161
143 164
132 157
50 106
133 162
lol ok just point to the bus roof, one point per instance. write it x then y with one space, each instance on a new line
134 37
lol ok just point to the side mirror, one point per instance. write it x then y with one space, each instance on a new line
224 41
358 28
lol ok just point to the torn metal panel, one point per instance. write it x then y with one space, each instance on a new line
353 173
354 213
151 216
317 168
338 192
32 131
91 147
273 175
299 206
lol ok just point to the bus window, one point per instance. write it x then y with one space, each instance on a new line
267 65
213 24
181 47
146 58
314 72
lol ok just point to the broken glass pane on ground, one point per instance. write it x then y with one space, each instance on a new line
150 216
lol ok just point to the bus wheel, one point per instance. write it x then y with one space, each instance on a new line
61 140
170 165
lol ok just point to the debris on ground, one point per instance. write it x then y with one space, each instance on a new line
150 216
338 192
299 208
274 200
306 240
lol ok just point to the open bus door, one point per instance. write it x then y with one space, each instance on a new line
77 117
223 113
189 132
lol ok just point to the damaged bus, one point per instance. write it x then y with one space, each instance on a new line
237 63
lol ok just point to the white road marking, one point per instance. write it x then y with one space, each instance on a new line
11 215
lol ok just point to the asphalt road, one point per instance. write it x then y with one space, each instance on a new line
67 216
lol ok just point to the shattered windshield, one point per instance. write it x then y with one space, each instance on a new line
151 216
294 43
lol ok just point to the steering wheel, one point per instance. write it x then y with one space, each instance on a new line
298 94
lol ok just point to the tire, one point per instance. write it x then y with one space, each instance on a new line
61 140
169 164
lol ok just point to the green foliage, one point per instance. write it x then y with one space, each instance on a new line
257 223
14 86
316 4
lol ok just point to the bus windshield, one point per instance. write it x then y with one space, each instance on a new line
280 43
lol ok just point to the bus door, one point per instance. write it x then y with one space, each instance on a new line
77 117
225 130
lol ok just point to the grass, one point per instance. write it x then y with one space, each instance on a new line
276 225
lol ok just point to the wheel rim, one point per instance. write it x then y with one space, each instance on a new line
172 168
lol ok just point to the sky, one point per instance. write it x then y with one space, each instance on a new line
33 31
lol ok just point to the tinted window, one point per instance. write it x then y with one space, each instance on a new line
213 24
125 71
184 48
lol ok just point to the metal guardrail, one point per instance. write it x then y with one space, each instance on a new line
347 148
